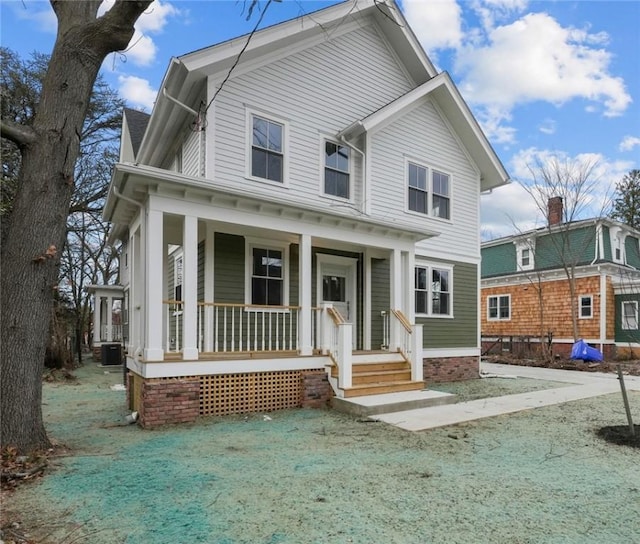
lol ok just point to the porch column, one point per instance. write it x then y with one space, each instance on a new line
153 286
395 296
209 267
304 295
410 287
190 288
96 317
109 318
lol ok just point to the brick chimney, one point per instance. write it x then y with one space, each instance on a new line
554 210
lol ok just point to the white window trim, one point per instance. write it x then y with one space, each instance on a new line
350 200
498 318
520 246
430 266
623 317
430 169
250 113
580 316
262 243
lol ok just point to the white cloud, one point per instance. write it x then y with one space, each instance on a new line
137 91
628 143
437 23
491 11
534 58
156 17
548 126
142 49
511 209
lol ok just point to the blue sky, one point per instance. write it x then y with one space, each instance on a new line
553 78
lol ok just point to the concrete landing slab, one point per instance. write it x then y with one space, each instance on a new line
440 416
391 402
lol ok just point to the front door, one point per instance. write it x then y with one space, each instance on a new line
337 286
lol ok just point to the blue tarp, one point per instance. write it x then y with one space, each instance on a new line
582 350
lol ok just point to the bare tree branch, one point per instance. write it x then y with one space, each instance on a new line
21 135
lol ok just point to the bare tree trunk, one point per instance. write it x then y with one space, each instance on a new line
37 228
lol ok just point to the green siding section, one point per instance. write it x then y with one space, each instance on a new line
499 260
569 247
294 283
201 273
229 269
379 299
606 244
632 251
622 335
462 330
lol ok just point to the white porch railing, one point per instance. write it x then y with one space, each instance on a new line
233 328
406 338
337 342
116 333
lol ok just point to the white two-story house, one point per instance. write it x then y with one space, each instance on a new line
300 220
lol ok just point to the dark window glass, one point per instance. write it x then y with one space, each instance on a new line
266 283
336 172
418 194
267 159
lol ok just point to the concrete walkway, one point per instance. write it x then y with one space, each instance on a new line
580 385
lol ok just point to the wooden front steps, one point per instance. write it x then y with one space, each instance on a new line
377 374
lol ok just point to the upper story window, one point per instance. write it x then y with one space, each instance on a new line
337 168
267 149
586 307
433 291
524 251
266 273
428 191
499 308
630 315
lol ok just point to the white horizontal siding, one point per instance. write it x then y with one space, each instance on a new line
422 135
191 154
318 92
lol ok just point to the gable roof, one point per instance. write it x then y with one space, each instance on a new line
137 122
442 89
186 75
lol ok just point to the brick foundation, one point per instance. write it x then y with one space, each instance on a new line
451 369
169 401
97 353
316 389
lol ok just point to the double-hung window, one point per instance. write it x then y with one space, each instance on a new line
337 170
267 277
499 308
630 315
267 149
586 307
428 191
433 291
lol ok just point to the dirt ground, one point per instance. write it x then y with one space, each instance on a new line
315 476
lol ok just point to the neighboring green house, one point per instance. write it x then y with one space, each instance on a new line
526 292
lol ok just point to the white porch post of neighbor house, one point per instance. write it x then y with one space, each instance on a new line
190 288
154 255
97 303
109 318
209 264
395 297
304 286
